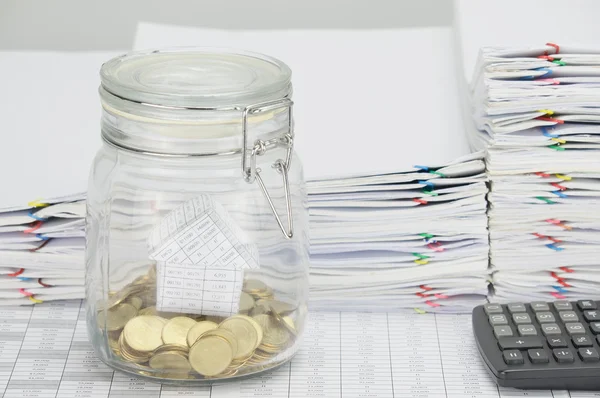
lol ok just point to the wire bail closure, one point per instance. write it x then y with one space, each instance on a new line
252 173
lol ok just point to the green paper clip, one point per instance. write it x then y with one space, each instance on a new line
550 202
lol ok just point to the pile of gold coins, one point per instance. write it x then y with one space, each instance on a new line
180 346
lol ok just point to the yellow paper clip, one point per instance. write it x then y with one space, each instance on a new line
37 203
559 140
547 111
419 311
563 177
36 301
422 262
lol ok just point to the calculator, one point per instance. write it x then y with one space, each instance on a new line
540 345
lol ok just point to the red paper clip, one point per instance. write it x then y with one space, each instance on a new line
546 57
43 284
25 292
420 201
437 247
34 227
17 273
550 80
44 243
540 174
559 279
567 269
557 185
550 119
426 288
558 295
432 303
556 47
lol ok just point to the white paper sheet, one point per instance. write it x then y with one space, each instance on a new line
45 352
365 101
50 112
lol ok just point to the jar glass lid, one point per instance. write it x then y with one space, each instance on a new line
196 78
193 100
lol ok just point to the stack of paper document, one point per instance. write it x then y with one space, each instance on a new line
50 130
538 111
42 250
415 239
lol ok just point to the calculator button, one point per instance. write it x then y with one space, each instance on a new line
595 327
513 357
538 306
503 331
516 307
520 343
527 330
498 319
582 341
586 305
545 317
537 356
557 342
563 355
521 319
589 355
550 329
568 316
591 315
563 305
492 309
575 328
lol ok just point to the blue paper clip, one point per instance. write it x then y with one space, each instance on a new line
559 194
424 168
32 215
427 183
24 279
547 134
547 70
560 289
554 247
42 237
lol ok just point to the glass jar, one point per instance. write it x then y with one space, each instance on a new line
197 223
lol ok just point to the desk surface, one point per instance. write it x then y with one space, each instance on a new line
44 352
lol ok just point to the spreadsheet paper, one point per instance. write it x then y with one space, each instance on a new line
45 352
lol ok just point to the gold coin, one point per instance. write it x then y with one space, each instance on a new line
198 329
172 347
259 330
152 272
280 307
116 317
290 322
246 302
215 319
281 320
135 301
173 361
144 333
224 334
210 355
245 333
254 285
122 295
273 333
148 311
129 354
141 280
168 315
176 330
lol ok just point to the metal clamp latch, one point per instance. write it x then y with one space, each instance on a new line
249 169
